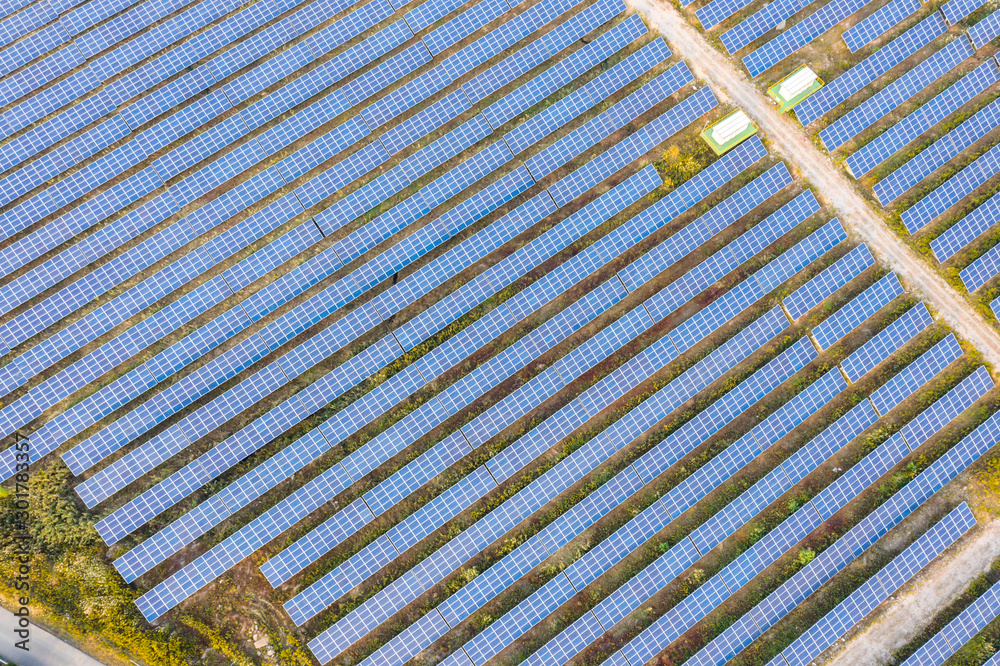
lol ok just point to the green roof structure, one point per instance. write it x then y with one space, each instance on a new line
794 88
729 132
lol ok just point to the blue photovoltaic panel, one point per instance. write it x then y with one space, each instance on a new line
938 415
799 35
895 94
857 310
859 76
982 270
938 153
832 278
886 342
985 31
906 130
767 613
959 631
464 24
915 375
956 10
876 589
967 229
879 23
718 11
952 190
762 21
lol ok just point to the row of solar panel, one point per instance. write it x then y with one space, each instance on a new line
666 629
959 631
90 454
341 248
584 571
550 596
369 462
451 556
475 434
767 613
640 22
580 231
379 601
232 94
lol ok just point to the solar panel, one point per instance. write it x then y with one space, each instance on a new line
941 106
938 153
886 342
874 26
524 97
871 593
859 309
826 283
891 97
959 631
833 559
938 415
790 41
982 270
585 136
464 24
985 31
859 76
550 119
633 147
952 190
340 636
915 375
717 11
956 10
759 23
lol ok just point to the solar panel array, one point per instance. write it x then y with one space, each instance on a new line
207 207
857 539
959 631
865 72
871 593
899 91
800 34
759 23
952 191
985 31
880 22
956 10
938 108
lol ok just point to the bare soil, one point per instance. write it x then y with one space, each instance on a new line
905 614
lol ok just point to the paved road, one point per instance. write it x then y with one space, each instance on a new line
788 139
46 649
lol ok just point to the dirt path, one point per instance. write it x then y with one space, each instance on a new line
908 613
790 142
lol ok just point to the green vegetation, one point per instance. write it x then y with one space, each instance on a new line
71 576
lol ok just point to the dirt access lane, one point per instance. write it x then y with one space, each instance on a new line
895 624
789 140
